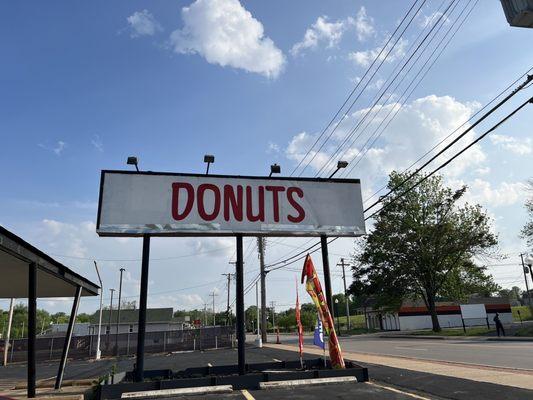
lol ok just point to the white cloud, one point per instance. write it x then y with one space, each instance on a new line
57 149
96 141
417 127
225 33
425 20
364 25
321 31
273 148
374 85
365 58
514 145
143 23
324 32
483 192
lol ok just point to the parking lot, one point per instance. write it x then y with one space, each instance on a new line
385 382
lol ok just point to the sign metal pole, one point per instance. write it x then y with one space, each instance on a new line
241 338
327 278
141 333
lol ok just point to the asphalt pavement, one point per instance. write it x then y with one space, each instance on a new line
494 353
386 382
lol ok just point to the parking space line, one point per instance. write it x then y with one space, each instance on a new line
247 395
414 396
276 360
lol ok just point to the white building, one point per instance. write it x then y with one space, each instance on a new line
415 315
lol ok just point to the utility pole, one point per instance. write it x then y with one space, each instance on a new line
118 309
213 295
346 299
264 326
110 313
229 275
273 307
8 334
525 278
205 314
258 337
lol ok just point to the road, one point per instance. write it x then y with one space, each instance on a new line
492 353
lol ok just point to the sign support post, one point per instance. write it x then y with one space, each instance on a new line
327 277
141 333
241 335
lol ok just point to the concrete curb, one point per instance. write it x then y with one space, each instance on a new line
306 382
154 394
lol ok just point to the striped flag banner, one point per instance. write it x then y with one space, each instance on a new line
313 287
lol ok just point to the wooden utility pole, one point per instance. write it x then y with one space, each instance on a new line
264 326
229 275
346 298
213 295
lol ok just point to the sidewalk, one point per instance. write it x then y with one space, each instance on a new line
501 376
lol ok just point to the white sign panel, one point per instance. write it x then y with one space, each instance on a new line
471 311
133 204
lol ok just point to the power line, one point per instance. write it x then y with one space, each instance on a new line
357 86
530 100
383 91
376 134
529 78
456 129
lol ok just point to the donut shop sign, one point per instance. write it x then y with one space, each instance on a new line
167 204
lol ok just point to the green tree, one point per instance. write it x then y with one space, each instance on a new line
422 246
527 230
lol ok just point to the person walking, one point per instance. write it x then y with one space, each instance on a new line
499 325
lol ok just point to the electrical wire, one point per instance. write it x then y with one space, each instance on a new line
378 56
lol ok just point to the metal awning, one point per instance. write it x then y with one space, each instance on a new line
29 273
53 278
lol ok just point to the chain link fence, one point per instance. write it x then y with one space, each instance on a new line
124 344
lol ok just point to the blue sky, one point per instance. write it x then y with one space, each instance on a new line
86 84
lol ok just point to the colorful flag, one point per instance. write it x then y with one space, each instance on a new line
318 339
300 328
314 289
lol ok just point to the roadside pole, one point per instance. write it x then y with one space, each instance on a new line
118 309
264 326
213 295
525 269
346 299
8 333
258 338
98 351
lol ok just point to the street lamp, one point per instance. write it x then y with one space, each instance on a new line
274 169
340 165
209 159
133 161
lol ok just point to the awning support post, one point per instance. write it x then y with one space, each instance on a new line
241 335
141 332
325 265
32 327
68 338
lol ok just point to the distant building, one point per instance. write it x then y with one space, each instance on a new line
157 320
414 315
